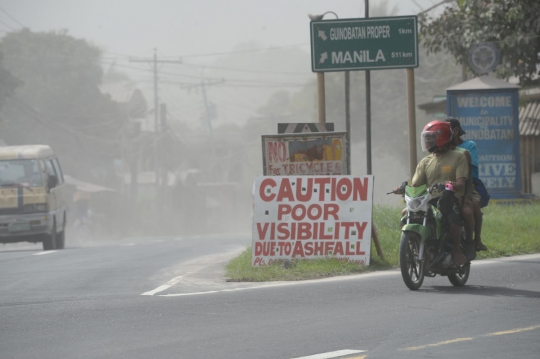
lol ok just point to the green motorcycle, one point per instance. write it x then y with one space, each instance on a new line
424 247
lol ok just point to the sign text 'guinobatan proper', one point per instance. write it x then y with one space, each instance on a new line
364 44
312 217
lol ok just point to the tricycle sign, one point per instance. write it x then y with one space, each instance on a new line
307 217
305 154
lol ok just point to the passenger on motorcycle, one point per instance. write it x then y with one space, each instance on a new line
442 166
472 197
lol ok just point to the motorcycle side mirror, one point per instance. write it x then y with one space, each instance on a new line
403 185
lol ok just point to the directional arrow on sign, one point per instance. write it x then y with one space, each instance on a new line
396 48
324 56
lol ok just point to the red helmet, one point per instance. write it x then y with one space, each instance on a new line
436 134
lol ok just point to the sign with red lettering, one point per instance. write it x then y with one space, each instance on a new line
305 154
308 217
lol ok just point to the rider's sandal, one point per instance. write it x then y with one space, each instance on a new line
481 247
459 259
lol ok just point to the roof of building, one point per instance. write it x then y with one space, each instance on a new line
126 94
483 83
529 119
438 103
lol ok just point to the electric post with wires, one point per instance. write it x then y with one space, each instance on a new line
159 129
209 113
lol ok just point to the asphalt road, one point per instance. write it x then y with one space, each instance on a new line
167 298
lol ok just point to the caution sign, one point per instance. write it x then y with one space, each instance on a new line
312 217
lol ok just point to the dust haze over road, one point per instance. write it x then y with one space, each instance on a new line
235 69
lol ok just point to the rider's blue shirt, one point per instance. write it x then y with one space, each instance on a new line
473 151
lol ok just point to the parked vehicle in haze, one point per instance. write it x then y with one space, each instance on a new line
33 206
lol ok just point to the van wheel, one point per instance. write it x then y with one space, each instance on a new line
60 240
61 237
49 242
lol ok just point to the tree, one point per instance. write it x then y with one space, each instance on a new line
59 102
8 83
514 25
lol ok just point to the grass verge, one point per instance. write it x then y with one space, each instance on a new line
507 231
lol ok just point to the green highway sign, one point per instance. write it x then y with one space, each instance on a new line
364 44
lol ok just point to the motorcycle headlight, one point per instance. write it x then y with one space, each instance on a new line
418 203
415 203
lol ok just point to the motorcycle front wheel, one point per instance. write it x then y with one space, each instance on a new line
459 279
412 270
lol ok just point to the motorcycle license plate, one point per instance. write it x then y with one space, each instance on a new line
18 227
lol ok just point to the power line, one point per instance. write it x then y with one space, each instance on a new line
209 78
244 70
37 117
12 18
8 26
244 51
155 61
219 53
434 6
157 110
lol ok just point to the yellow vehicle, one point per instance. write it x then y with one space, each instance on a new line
33 204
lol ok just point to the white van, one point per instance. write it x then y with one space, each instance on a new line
33 203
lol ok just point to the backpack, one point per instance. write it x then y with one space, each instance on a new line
482 191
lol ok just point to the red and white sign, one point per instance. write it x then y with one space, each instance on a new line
308 217
305 154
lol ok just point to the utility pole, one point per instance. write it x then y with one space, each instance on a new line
158 130
368 107
208 122
207 116
161 176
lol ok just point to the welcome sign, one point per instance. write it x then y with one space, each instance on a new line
490 118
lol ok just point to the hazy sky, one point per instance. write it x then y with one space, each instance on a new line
181 27
200 32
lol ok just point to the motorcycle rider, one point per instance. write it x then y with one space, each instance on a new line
472 195
441 166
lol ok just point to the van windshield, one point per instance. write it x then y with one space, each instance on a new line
20 173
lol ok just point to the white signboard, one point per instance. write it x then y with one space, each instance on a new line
307 217
305 154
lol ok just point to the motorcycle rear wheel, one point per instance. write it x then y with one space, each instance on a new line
460 279
412 270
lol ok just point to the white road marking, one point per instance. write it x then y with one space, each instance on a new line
163 287
338 353
393 272
44 252
186 294
284 284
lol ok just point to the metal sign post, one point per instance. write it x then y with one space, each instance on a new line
367 44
